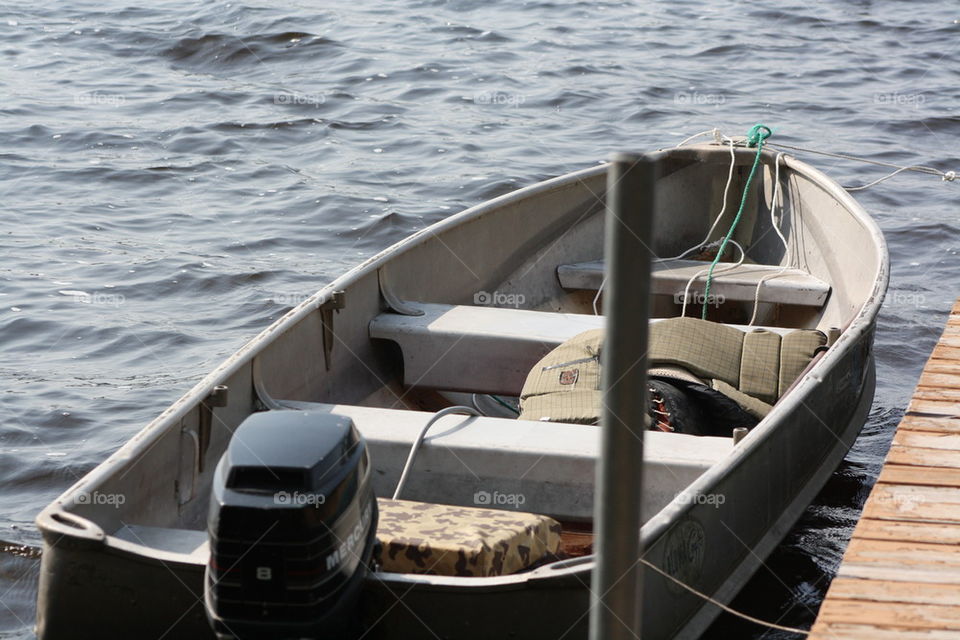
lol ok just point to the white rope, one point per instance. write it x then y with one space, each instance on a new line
879 180
777 195
412 456
709 132
723 269
744 616
945 176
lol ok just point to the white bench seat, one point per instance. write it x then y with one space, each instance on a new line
480 349
470 461
793 286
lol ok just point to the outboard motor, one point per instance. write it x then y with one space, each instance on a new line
292 527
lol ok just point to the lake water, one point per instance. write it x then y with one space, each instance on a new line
176 176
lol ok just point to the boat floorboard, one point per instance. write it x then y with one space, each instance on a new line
900 575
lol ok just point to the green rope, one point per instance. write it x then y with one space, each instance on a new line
755 137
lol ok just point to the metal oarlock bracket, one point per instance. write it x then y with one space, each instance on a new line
335 303
217 398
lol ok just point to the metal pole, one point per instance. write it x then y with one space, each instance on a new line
616 585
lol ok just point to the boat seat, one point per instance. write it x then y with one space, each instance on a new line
440 539
514 465
793 286
481 349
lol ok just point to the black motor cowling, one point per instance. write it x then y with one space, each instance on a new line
292 527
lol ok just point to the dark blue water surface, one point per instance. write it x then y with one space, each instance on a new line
176 176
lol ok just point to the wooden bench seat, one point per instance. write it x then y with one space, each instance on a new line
793 286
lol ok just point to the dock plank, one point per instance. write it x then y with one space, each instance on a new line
950 341
904 615
941 378
911 475
880 591
933 407
900 574
896 573
927 439
908 530
834 631
904 553
931 393
922 422
913 502
922 457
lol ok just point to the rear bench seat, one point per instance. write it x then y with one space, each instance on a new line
481 349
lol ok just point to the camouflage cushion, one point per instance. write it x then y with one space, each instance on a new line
420 537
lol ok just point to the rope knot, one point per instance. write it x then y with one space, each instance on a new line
950 176
757 134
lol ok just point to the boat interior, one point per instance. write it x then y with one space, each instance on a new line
416 344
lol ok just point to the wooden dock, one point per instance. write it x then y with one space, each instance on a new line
900 575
